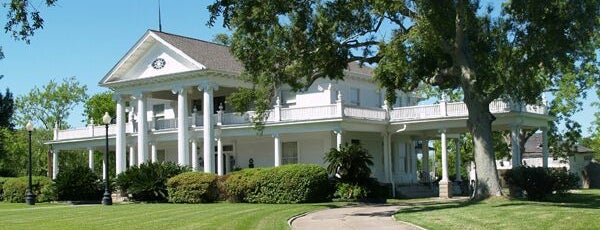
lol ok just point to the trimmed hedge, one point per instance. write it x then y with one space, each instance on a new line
193 187
15 189
369 191
148 182
539 182
78 183
296 183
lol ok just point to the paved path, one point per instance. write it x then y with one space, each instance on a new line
357 217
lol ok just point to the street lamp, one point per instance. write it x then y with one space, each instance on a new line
106 199
29 197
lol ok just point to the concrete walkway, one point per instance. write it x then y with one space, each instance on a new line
377 216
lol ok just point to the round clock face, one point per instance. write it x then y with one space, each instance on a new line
158 63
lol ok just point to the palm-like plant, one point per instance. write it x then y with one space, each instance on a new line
350 163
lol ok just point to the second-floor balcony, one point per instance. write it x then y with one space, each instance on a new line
314 113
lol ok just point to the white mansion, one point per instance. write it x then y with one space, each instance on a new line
170 92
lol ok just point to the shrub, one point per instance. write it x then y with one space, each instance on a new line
2 180
370 190
42 187
148 182
78 183
239 184
193 187
539 182
297 183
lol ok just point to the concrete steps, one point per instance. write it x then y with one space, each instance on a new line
416 191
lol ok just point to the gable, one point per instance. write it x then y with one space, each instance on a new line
138 62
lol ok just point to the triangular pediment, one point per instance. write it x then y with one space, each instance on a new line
151 57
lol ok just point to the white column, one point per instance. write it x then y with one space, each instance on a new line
219 156
120 145
458 178
142 129
182 126
338 139
444 157
545 147
91 158
194 155
154 154
387 157
132 156
55 163
515 145
277 149
425 153
208 111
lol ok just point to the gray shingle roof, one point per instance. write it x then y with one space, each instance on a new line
218 57
533 146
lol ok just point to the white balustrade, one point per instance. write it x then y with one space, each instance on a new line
457 109
166 123
415 112
364 113
308 113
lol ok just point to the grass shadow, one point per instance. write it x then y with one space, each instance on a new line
570 200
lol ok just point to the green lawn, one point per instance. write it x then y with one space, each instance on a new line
579 210
152 216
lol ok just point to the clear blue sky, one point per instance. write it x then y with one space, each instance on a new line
86 38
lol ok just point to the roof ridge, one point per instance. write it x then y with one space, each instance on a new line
187 37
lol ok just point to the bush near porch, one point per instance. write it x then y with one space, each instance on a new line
539 182
43 187
193 187
296 183
148 182
78 183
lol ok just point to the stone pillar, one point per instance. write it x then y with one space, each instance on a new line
120 139
515 145
154 154
545 147
458 178
207 99
194 155
142 129
338 139
277 149
220 170
425 153
132 156
91 158
182 126
445 185
55 163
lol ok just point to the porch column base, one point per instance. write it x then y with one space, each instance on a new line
445 189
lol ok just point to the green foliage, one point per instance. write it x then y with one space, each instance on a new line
193 187
7 108
351 163
295 183
78 183
148 182
23 19
222 39
540 182
350 192
2 180
95 107
16 150
50 104
42 187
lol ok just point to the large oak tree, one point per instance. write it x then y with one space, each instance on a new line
515 51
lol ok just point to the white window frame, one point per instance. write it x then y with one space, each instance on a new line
289 159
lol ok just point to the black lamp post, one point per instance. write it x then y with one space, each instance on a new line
106 199
29 197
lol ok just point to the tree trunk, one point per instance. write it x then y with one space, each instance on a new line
480 126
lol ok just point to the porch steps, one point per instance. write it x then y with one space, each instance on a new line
416 191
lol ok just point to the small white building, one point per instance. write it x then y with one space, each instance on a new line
170 92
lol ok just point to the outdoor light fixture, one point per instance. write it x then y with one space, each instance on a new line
106 199
29 197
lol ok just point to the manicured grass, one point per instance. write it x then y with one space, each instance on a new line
578 210
153 216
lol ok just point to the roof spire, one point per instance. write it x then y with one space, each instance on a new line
159 18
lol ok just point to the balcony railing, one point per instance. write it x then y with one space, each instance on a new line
333 111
